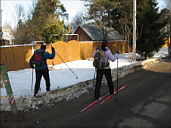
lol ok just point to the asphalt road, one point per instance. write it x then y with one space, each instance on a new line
146 101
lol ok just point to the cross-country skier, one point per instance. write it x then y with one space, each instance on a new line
38 61
104 70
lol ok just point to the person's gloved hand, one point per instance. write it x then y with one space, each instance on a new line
32 66
116 54
52 48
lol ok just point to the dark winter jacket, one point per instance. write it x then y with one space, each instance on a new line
45 55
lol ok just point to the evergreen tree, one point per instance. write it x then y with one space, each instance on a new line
122 19
54 32
46 12
149 19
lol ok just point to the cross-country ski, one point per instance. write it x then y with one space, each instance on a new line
114 93
94 102
104 96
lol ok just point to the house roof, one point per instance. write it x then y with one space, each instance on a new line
95 33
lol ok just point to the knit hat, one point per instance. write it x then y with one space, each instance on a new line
105 42
43 46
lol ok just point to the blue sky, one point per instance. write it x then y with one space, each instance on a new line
72 7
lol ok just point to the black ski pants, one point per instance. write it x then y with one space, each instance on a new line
39 74
100 73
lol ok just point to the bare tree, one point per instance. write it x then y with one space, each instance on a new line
78 20
99 11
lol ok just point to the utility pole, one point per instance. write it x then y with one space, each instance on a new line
0 22
170 21
168 5
169 26
134 31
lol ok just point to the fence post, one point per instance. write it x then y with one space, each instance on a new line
6 82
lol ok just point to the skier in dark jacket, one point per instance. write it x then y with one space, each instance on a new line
41 69
104 71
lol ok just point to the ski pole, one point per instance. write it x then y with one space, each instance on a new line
117 81
32 81
67 66
53 59
94 77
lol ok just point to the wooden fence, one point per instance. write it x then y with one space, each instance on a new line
17 57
